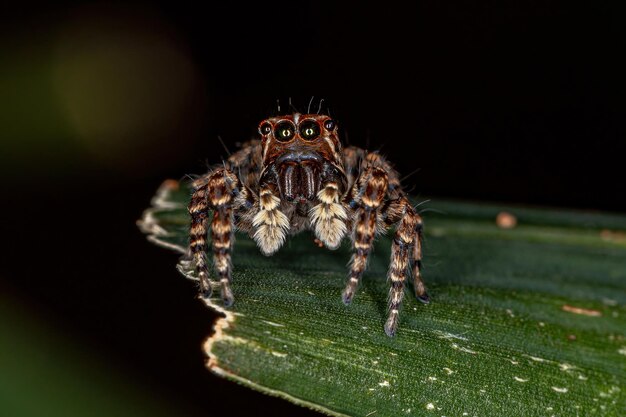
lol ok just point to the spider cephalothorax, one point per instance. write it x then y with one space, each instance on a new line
298 177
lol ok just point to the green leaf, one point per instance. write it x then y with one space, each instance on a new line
526 321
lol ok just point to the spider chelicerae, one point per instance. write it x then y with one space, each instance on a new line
297 177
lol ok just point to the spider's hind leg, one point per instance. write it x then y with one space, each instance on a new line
214 191
418 284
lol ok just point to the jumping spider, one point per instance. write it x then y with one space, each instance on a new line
298 177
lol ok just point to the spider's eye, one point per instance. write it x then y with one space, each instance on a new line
284 131
309 130
265 129
330 124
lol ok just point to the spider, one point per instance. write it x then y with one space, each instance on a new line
298 177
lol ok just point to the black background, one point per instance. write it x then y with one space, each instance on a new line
518 102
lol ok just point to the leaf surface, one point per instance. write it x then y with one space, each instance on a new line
527 321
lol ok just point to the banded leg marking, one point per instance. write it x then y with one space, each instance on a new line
365 225
328 218
214 191
271 224
198 209
406 244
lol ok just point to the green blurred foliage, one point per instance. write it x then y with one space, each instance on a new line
102 85
45 373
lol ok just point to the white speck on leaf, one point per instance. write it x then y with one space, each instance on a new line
279 354
518 379
622 350
559 389
371 413
430 406
448 371
271 323
566 367
448 336
384 384
463 349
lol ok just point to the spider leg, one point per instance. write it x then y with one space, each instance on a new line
198 208
371 192
270 223
328 218
393 211
215 191
406 245
418 284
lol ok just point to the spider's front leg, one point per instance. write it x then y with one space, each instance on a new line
372 187
216 191
270 223
328 218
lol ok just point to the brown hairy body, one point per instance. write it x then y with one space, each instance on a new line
298 177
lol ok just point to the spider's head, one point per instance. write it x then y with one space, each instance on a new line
301 149
300 137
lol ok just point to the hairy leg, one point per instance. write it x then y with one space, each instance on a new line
270 223
198 209
406 245
418 284
215 191
393 211
328 218
372 187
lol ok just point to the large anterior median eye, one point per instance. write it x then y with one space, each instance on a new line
284 131
309 129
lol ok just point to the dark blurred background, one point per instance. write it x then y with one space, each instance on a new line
514 102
